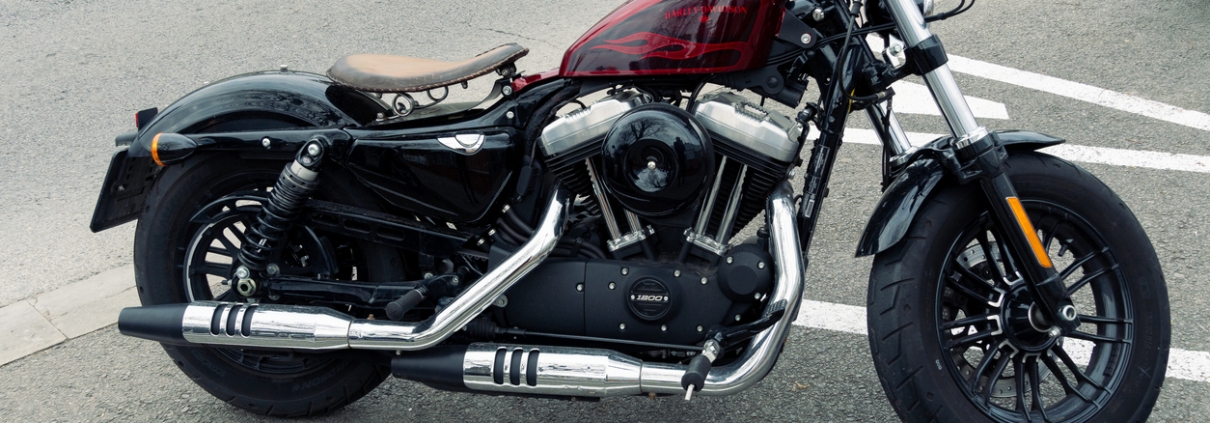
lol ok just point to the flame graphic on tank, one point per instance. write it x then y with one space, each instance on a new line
656 45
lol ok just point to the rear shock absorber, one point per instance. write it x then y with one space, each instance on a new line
265 237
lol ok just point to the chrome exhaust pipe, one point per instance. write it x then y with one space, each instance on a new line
320 328
527 370
586 372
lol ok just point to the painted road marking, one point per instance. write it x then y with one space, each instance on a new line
913 98
1083 92
1182 364
1070 89
1075 153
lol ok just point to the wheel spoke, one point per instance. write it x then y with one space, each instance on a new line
1068 388
987 254
1104 320
1019 381
1079 263
961 323
969 339
216 269
991 381
1035 389
984 362
1095 338
1075 370
967 289
1088 278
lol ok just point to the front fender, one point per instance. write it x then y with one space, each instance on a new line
894 213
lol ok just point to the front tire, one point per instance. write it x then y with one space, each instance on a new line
178 259
948 313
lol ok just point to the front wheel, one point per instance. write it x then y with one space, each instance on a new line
949 314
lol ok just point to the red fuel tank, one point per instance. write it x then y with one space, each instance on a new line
664 37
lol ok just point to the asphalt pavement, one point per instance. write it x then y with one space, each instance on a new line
75 72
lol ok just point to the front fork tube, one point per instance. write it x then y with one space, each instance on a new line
978 151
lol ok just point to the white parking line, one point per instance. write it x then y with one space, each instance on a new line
1083 92
1182 364
1075 153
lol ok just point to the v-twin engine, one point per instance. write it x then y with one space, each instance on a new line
648 166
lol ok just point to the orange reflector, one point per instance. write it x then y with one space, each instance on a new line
1030 233
155 147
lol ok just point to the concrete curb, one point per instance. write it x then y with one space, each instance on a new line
41 322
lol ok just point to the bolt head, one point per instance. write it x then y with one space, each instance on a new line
730 260
625 271
806 38
612 286
273 269
313 149
704 280
651 165
266 142
622 326
510 115
507 90
737 317
579 287
242 273
676 274
817 14
760 265
663 328
699 328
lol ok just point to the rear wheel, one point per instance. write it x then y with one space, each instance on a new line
185 246
949 313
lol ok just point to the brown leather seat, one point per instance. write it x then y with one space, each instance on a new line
384 73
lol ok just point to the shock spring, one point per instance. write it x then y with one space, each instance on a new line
298 180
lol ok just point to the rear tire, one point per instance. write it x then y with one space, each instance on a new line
269 383
945 324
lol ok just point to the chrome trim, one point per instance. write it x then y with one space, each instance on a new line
606 211
732 117
272 326
563 371
469 143
321 328
587 124
571 371
762 352
383 335
954 109
724 227
703 219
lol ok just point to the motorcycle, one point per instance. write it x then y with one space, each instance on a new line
301 237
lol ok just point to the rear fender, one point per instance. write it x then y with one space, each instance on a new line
903 197
238 115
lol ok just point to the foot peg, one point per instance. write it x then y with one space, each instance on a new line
434 286
695 376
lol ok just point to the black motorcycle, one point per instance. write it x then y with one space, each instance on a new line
302 236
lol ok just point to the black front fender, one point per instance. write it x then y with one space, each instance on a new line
903 197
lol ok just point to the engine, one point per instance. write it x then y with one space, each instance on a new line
653 168
671 189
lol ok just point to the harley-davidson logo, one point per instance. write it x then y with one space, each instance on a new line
662 46
705 10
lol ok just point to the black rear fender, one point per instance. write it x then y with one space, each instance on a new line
903 197
237 114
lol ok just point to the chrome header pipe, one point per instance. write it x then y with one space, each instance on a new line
573 371
320 328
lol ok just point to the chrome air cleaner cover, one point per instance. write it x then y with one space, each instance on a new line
731 117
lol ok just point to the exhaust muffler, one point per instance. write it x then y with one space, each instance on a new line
321 328
518 369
